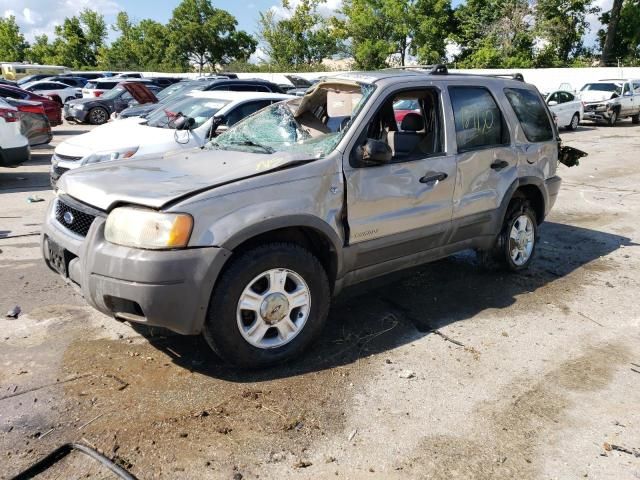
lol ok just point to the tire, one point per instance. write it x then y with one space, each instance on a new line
250 276
635 119
613 119
575 121
502 255
98 116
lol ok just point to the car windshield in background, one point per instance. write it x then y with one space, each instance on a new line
602 87
113 93
312 125
200 109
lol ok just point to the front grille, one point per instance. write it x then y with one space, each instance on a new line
73 219
68 158
59 170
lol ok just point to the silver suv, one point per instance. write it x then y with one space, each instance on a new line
247 239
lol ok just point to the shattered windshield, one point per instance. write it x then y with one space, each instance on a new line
311 125
199 108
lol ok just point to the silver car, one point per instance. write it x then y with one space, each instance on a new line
247 239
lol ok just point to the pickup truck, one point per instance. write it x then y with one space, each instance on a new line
611 100
247 239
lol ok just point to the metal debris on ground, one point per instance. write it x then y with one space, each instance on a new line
353 434
14 312
407 374
35 199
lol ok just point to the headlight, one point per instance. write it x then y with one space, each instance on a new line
141 228
107 156
77 106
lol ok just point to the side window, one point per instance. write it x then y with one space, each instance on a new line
245 110
531 114
627 88
126 97
410 123
478 120
554 97
11 94
636 88
569 97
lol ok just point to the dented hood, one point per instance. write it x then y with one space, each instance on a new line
589 96
156 182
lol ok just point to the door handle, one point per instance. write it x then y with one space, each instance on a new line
433 177
499 165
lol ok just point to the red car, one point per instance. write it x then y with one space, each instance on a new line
51 107
402 107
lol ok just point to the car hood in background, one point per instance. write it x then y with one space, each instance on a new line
595 96
115 135
155 182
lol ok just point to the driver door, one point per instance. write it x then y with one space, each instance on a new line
404 206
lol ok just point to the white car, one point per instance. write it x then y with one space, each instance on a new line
184 123
45 87
567 108
14 146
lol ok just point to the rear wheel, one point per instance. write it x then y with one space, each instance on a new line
516 242
613 119
635 119
268 305
575 121
98 116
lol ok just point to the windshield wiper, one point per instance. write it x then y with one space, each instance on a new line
251 143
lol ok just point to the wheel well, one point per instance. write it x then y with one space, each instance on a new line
310 238
534 195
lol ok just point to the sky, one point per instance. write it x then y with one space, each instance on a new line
40 16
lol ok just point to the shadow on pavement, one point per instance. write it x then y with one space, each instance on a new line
382 314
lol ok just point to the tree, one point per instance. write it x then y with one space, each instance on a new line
625 43
95 31
562 24
433 26
206 35
41 51
12 42
71 46
304 37
142 46
495 34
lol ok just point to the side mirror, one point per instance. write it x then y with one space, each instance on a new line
627 94
184 123
552 103
373 153
217 126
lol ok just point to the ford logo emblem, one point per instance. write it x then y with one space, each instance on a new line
68 218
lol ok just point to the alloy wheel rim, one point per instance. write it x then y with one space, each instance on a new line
273 308
575 121
98 115
521 240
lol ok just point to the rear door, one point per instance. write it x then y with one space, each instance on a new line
486 161
627 104
402 207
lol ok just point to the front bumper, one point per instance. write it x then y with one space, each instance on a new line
169 288
596 114
71 113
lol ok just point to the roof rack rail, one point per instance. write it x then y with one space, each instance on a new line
435 69
515 76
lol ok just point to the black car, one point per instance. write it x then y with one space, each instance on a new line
97 110
77 82
87 75
234 85
164 81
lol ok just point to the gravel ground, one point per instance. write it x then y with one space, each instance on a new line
445 371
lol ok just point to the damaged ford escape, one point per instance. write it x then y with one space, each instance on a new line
247 239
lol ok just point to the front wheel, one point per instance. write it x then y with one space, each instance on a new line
268 305
98 116
613 119
635 119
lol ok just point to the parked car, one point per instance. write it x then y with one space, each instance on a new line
51 107
165 81
128 75
157 134
205 85
611 100
55 90
97 110
32 78
7 82
34 123
14 146
247 239
567 108
403 107
96 88
87 75
76 82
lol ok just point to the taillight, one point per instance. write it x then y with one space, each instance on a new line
9 116
97 93
31 108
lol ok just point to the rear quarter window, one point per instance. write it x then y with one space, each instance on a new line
531 113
